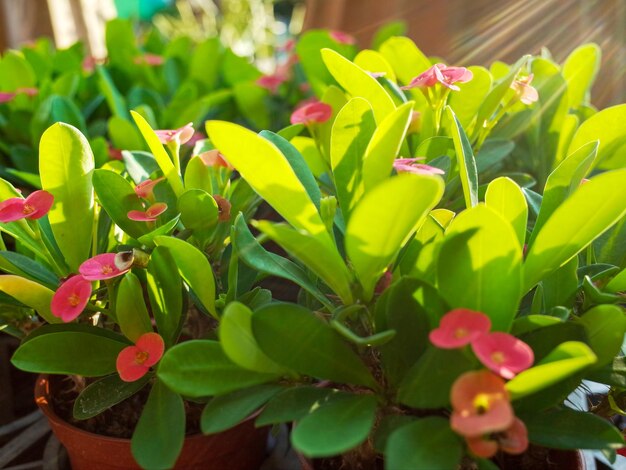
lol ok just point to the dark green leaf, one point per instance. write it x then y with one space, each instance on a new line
104 393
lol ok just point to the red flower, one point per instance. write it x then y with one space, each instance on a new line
311 113
33 207
145 188
480 404
182 134
442 74
70 298
458 328
101 267
503 353
409 165
342 38
150 214
272 82
513 440
133 362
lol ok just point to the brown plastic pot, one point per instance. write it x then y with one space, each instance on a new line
240 448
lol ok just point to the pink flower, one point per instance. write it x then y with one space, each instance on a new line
145 188
33 207
215 159
150 214
503 353
480 404
196 137
526 93
458 328
311 113
101 267
27 91
70 298
149 59
272 82
342 38
288 46
5 97
442 74
409 165
182 134
513 440
133 362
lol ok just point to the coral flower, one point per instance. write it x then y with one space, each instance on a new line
458 328
145 188
215 158
342 38
133 362
272 82
310 113
150 214
149 59
223 207
527 94
480 404
33 207
442 74
182 134
70 298
503 353
101 267
513 440
409 165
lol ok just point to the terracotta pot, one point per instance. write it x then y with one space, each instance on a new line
240 448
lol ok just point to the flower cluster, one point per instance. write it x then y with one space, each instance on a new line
482 412
145 190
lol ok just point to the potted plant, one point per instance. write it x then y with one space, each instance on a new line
122 266
423 338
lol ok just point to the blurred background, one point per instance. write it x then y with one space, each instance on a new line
461 31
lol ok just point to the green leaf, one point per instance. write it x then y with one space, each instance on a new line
563 428
293 404
160 432
387 31
251 100
255 256
562 362
64 349
506 198
197 175
162 158
165 229
405 58
29 268
238 342
359 83
563 181
105 393
268 172
118 197
385 208
424 443
467 101
29 293
295 338
297 163
225 411
344 423
195 269
481 255
115 101
465 159
351 133
66 165
199 368
205 62
429 370
374 62
321 258
385 144
591 210
130 308
198 211
530 323
124 135
165 287
605 127
605 325
580 70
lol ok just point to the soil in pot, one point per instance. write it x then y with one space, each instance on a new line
240 448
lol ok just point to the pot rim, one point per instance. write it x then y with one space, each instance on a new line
42 392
